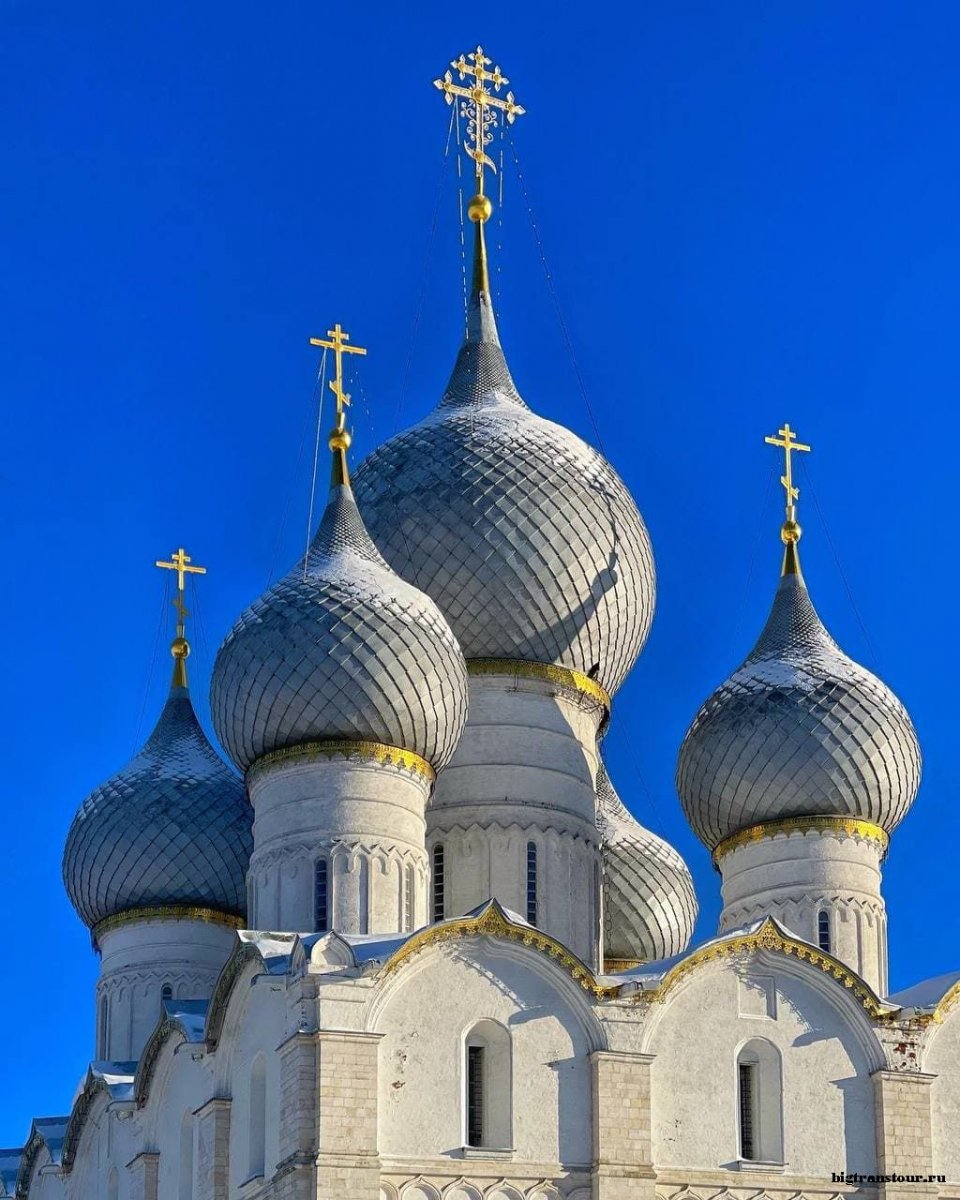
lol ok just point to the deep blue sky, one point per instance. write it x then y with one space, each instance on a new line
751 215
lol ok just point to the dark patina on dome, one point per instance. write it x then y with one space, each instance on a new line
340 649
172 829
799 730
524 535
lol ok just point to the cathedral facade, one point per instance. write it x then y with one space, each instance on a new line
411 945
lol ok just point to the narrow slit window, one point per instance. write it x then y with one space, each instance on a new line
438 882
748 1107
532 882
475 1095
408 898
321 897
823 931
104 1026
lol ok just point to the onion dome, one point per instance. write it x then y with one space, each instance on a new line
799 730
649 905
524 535
341 649
172 829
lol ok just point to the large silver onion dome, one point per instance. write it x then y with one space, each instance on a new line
523 534
341 648
649 904
173 828
798 730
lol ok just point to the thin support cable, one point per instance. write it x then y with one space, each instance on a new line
463 240
553 294
316 461
288 502
498 268
616 722
871 649
428 258
153 662
762 531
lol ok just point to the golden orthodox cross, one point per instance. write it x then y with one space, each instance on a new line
338 344
786 439
479 104
181 562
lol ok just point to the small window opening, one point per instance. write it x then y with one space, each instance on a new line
438 882
532 882
409 897
748 1110
823 931
256 1146
760 1102
104 1026
475 1056
321 906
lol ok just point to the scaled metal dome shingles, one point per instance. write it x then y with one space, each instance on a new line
649 904
344 650
174 827
523 534
799 730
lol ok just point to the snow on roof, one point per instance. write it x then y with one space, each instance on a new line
115 1077
52 1130
190 1015
928 993
650 975
9 1169
274 948
375 947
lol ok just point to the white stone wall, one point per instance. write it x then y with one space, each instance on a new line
137 961
942 1061
793 876
365 817
828 1053
525 769
625 1100
422 1062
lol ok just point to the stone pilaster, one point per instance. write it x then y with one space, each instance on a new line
295 1177
213 1151
348 1163
622 1167
144 1176
904 1132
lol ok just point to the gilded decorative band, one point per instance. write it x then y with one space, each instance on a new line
344 748
166 912
563 677
854 827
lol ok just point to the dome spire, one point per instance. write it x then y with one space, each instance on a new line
482 109
339 440
181 562
790 532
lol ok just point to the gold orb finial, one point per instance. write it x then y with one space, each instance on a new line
480 208
339 439
790 533
180 647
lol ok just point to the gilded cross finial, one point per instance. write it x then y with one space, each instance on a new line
182 563
339 440
482 108
790 533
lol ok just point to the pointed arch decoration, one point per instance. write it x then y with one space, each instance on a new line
772 937
493 921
